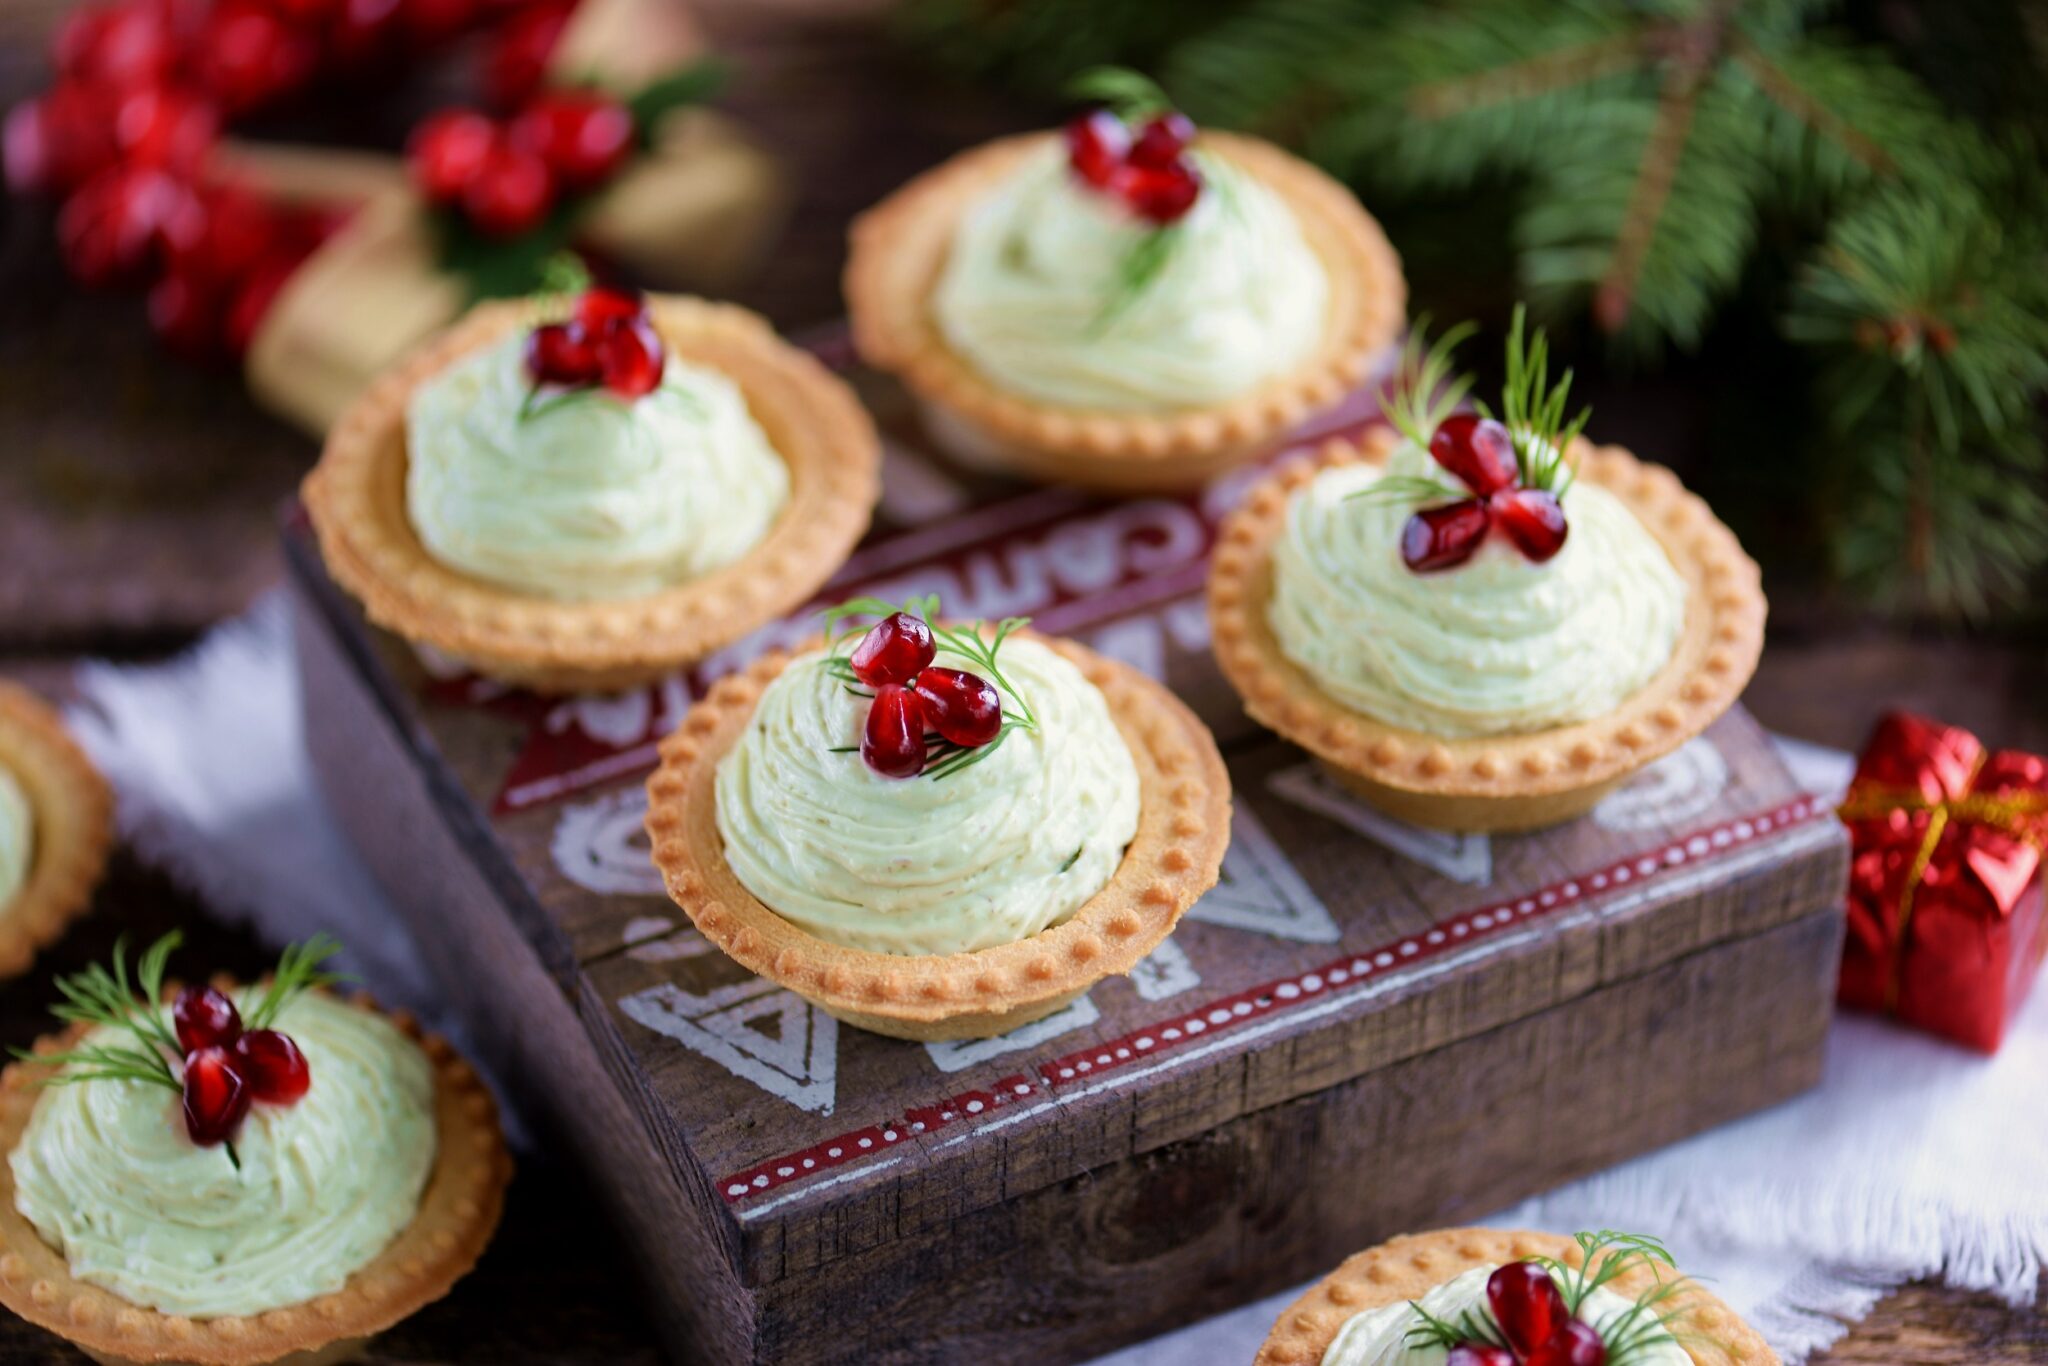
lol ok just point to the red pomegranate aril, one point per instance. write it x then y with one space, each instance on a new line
511 194
583 137
1478 450
892 741
895 650
632 358
216 1096
449 151
563 353
272 1065
1533 519
1479 1354
1160 196
1526 1304
607 305
1161 141
1443 537
1576 1343
963 707
204 1017
1096 144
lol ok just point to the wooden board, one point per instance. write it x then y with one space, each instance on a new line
1355 998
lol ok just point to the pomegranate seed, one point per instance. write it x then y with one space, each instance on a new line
516 60
1526 1304
963 707
216 1096
1161 141
1096 144
895 650
185 315
1576 1343
252 301
511 194
273 1066
1532 519
632 357
1479 1354
111 226
1478 450
563 353
1161 196
583 137
606 305
1441 537
449 151
205 1018
892 741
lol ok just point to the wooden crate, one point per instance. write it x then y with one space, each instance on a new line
1352 1035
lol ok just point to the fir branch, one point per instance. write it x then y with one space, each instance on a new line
298 971
1424 389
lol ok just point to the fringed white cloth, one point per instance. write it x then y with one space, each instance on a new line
1913 1158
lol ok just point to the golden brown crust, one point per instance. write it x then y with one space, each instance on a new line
1407 1267
1183 826
1493 782
458 1213
356 498
899 249
71 810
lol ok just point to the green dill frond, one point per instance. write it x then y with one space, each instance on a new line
298 971
1425 388
1131 95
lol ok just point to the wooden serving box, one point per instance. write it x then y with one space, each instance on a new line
1353 1035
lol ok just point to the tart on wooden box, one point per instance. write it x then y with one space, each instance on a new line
798 1191
228 1176
1478 623
585 495
1127 306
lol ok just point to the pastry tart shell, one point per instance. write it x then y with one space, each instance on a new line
458 1213
355 496
1495 782
71 814
1174 857
1407 1267
899 250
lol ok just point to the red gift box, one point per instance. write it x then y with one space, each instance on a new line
1946 904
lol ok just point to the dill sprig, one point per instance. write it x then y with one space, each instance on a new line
298 970
1606 1256
943 758
1424 389
1533 410
102 998
1134 98
1471 1325
1410 489
1130 95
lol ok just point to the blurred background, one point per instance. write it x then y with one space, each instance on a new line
1796 250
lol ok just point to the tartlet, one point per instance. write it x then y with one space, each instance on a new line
1182 826
71 813
1405 1268
1495 782
899 250
356 498
457 1214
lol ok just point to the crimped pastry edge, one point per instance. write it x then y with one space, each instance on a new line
899 248
458 1214
1406 1267
1712 660
72 810
355 497
1174 857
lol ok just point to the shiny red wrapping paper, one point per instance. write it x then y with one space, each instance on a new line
1946 897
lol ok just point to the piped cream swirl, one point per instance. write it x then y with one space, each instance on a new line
109 1178
988 855
1030 288
588 496
1379 1337
1499 645
17 838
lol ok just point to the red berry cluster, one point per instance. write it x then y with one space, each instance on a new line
1539 1328
1480 452
913 697
227 1068
505 175
1150 170
607 341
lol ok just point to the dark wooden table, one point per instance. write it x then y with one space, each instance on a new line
136 503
